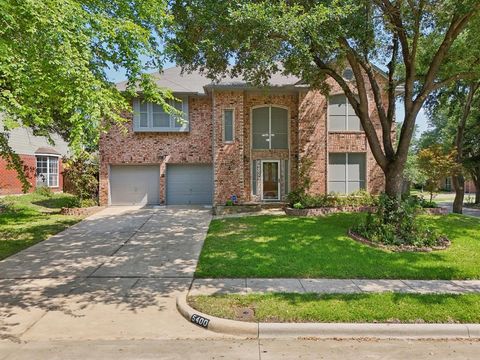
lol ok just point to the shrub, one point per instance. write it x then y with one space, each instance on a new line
81 177
229 202
420 201
76 202
360 198
396 222
44 191
298 205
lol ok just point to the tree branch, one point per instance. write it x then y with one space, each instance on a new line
355 60
368 127
457 25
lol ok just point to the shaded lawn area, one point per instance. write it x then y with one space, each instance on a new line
383 307
281 246
29 219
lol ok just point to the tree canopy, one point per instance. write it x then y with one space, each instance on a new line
422 46
54 57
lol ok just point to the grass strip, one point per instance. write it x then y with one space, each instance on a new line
357 308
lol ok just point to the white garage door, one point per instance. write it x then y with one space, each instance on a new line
189 184
134 185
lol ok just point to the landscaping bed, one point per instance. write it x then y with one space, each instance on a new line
444 244
316 247
322 211
357 308
78 211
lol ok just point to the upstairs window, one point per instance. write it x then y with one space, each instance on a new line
228 125
341 116
269 128
150 117
47 171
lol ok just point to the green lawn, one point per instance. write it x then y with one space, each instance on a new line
383 307
31 218
281 246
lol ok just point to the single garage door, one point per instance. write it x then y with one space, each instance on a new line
189 184
134 185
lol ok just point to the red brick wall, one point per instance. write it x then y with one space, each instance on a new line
232 162
9 183
193 147
316 142
229 157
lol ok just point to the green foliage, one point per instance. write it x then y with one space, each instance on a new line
412 172
396 223
372 308
435 164
30 218
229 202
359 198
298 205
76 202
44 191
81 177
55 55
319 247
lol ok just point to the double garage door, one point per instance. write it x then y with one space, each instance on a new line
140 184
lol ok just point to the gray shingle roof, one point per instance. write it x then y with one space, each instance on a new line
196 83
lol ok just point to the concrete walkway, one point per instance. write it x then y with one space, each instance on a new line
323 286
112 276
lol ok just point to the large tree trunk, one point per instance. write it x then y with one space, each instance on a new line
476 180
394 180
458 182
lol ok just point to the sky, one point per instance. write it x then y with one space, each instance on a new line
422 119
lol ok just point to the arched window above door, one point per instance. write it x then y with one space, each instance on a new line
269 128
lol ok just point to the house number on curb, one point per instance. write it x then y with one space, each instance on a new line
199 320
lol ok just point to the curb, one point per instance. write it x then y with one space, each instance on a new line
212 323
326 330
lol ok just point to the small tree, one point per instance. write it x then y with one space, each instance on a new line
435 165
413 174
81 177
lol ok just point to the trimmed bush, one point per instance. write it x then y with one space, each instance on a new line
300 200
396 223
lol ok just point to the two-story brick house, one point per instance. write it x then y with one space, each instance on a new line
236 140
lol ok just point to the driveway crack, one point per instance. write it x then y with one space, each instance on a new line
121 245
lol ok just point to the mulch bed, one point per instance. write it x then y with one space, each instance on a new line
86 211
444 244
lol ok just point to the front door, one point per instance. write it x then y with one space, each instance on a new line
270 180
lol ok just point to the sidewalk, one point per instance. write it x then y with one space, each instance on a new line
324 286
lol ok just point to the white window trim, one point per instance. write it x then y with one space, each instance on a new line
233 125
347 102
346 171
136 118
278 180
48 156
269 106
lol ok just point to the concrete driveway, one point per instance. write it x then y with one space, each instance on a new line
115 275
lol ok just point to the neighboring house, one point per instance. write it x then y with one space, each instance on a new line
42 161
237 140
446 185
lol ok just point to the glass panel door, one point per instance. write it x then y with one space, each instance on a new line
270 179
